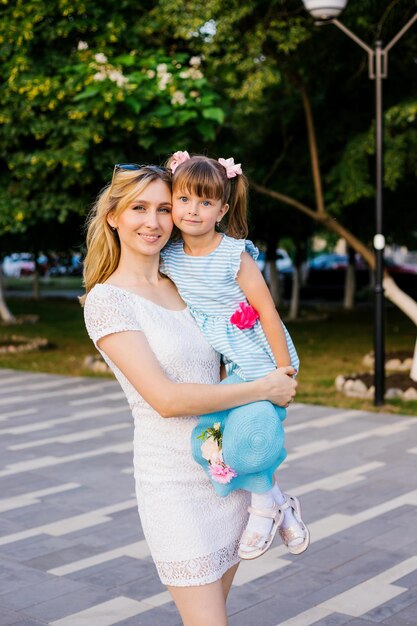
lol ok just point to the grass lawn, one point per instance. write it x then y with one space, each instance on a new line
25 283
327 347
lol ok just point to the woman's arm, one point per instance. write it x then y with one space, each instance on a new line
258 295
131 353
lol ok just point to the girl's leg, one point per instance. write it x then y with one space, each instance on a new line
260 526
273 510
293 531
202 605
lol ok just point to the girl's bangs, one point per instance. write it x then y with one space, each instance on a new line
200 178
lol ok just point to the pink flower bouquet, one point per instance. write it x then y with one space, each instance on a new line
211 450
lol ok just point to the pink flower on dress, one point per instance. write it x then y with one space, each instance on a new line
245 316
221 473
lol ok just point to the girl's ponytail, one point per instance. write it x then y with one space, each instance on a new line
237 225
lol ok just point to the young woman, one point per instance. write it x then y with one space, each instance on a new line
169 374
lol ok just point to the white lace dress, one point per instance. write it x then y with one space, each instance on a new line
192 533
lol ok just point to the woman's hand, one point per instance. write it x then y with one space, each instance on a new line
280 386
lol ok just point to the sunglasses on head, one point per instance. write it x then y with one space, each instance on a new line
133 167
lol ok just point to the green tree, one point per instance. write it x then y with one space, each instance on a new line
86 84
301 109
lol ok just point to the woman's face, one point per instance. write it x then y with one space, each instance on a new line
146 224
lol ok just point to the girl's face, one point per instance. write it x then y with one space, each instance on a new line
146 224
196 216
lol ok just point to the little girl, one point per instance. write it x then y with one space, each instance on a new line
218 278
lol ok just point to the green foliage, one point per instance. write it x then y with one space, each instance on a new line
88 84
85 85
262 54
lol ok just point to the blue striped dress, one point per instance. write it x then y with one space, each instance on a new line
208 286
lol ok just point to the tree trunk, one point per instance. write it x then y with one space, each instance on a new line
350 282
36 292
408 306
295 293
392 291
274 286
5 314
413 373
271 269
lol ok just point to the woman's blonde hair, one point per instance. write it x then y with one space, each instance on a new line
103 245
207 178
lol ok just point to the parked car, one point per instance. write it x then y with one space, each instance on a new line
400 268
66 265
18 264
333 261
328 262
283 261
326 275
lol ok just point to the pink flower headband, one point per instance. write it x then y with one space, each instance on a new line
232 169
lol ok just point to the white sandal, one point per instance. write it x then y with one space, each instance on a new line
260 543
293 532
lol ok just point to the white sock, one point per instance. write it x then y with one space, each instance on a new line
277 494
289 519
257 524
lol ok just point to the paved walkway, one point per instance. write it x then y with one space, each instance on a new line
71 548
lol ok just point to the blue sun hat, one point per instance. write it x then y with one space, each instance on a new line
253 443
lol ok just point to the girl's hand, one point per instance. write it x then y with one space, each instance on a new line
280 386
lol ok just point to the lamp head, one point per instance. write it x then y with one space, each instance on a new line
325 9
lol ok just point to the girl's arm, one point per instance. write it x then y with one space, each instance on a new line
258 295
131 353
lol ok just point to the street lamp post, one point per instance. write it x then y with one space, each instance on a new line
326 12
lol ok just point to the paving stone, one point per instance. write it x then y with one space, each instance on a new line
33 594
14 577
267 613
155 617
337 619
32 547
335 588
30 596
404 604
111 574
274 578
397 620
408 581
57 608
61 557
370 564
8 617
28 622
39 514
147 583
301 583
370 531
394 538
334 556
241 598
360 622
7 527
109 536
